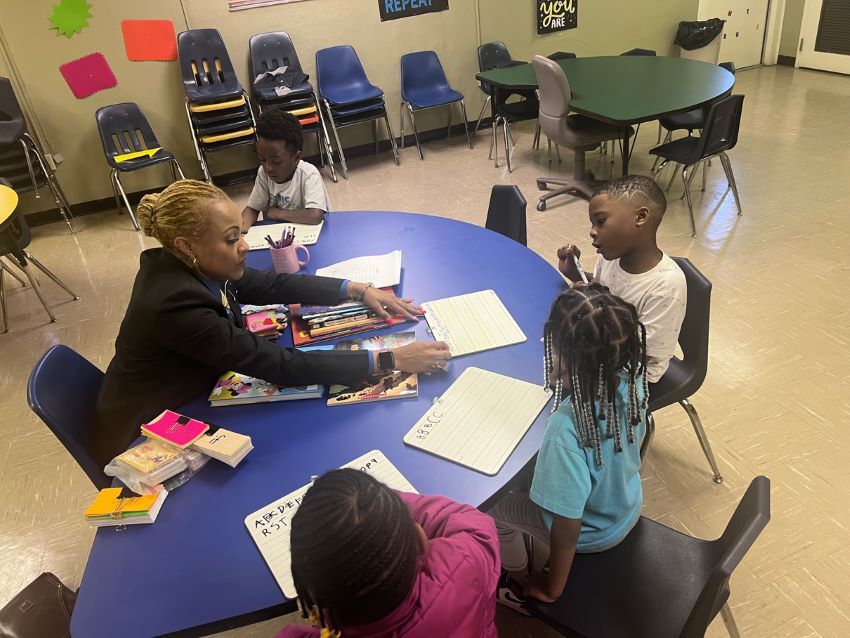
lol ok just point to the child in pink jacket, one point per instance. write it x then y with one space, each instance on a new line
371 562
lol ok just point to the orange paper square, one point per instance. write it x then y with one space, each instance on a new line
149 40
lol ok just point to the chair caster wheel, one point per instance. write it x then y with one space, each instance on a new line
542 186
541 206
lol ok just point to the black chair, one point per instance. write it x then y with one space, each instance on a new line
217 108
494 55
685 376
690 121
15 237
17 148
506 213
62 390
124 129
646 52
658 583
719 135
270 51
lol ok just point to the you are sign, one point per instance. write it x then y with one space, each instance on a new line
393 9
556 15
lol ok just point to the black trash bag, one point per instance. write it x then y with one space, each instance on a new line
694 35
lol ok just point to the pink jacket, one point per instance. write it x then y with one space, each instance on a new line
454 594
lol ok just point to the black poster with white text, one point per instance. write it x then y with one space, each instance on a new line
556 15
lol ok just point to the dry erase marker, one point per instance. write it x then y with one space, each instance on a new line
580 269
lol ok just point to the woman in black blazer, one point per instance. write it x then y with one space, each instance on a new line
183 327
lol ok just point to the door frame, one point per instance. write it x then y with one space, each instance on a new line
773 31
808 57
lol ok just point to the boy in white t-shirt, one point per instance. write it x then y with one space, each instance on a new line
287 188
624 217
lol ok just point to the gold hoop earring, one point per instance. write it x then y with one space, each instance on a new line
194 259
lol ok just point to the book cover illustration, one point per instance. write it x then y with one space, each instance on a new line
382 386
267 323
233 388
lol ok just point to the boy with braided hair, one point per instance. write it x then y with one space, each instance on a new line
371 562
586 492
624 215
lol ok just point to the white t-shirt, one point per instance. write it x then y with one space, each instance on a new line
305 190
660 296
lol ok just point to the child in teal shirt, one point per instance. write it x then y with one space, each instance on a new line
586 493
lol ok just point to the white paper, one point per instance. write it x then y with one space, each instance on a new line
381 270
306 234
479 420
269 526
472 323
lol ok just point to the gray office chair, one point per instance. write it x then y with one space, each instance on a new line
575 132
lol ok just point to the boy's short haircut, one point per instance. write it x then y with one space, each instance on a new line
277 124
636 188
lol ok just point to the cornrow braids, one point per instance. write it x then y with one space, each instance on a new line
591 338
180 209
354 549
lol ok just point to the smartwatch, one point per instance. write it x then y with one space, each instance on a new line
386 361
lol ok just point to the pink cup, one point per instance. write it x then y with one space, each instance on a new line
286 260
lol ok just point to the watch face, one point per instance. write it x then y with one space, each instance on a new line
386 360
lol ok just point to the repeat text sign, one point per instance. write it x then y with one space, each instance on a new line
393 9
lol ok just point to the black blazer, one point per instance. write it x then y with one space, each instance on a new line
177 339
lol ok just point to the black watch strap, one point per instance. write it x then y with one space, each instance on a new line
386 361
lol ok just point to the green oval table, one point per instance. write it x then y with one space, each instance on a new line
625 90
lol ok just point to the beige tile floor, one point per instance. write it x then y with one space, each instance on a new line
775 401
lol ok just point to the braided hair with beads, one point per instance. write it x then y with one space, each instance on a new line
354 547
591 338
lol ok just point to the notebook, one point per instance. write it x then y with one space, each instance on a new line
381 270
269 525
224 445
472 323
307 234
479 420
233 388
174 429
119 506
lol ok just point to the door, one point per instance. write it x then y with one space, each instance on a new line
743 34
825 36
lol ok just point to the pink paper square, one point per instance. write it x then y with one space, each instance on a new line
88 75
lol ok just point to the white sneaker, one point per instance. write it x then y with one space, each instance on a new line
505 596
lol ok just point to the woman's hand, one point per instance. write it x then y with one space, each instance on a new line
385 304
421 356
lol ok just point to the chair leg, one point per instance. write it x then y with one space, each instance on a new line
115 193
506 132
465 124
415 131
660 128
47 272
686 185
703 439
336 137
494 144
124 197
481 114
558 153
13 274
666 139
705 165
672 176
54 186
730 177
178 168
25 267
535 144
401 124
729 621
449 121
375 134
392 137
204 166
29 167
3 298
326 140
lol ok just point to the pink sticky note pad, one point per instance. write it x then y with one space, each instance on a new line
88 75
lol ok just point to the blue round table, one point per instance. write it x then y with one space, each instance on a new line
196 569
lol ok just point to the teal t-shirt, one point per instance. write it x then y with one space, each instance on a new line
567 481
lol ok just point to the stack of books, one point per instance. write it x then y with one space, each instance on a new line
233 388
224 445
312 324
268 324
119 506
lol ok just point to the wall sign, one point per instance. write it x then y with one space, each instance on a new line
394 9
556 15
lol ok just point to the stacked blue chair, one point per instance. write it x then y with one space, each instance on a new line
279 82
218 109
424 86
348 96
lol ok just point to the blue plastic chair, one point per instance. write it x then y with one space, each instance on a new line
424 86
62 390
347 93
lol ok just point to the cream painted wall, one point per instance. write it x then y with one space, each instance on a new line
791 25
605 27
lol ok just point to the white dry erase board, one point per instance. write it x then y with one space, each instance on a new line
306 234
472 323
479 420
269 525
